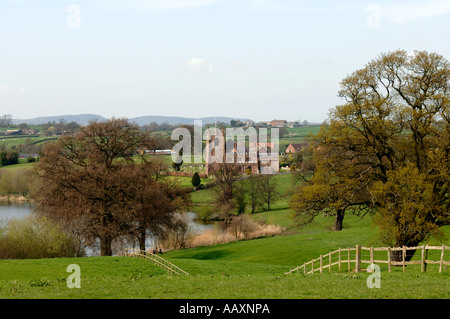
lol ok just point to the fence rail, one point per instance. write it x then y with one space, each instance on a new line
354 256
155 259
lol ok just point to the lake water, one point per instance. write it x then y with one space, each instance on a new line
10 210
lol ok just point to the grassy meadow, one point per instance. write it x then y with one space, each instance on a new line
245 269
249 269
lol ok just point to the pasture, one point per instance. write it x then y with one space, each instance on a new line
244 269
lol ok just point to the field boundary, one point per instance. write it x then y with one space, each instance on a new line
353 255
155 259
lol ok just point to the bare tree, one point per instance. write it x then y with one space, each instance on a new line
267 186
226 176
92 183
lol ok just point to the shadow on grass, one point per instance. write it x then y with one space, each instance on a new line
214 254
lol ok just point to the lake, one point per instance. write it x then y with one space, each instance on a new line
9 210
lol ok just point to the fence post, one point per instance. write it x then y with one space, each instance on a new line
442 258
371 258
358 258
329 262
349 267
404 257
389 258
321 263
339 259
422 260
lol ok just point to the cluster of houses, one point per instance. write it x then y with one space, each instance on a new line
18 132
274 123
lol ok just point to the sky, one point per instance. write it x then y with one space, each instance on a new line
257 59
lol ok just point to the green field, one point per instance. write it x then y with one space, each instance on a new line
15 141
17 167
298 135
243 269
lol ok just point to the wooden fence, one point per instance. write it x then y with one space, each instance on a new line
356 256
155 259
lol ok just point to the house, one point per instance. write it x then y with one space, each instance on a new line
249 123
28 132
263 123
14 132
293 124
244 160
278 123
293 148
265 147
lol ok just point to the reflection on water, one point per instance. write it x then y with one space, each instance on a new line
9 210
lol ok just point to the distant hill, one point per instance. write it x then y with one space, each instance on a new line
81 119
174 120
84 119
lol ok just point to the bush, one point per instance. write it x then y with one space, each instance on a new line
35 237
31 159
196 181
15 182
179 237
9 158
204 213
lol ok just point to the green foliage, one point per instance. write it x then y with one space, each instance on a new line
244 269
204 212
196 181
386 150
9 157
35 237
41 282
15 181
31 159
408 213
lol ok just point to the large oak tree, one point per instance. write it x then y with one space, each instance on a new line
386 149
99 185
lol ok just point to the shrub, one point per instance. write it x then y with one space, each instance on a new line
31 159
180 236
15 182
196 181
35 237
9 158
204 213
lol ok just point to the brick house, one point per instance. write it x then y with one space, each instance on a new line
278 123
293 148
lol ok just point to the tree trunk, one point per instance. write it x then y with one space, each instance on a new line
339 220
105 246
397 255
141 239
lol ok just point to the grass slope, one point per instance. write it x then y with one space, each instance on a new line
245 269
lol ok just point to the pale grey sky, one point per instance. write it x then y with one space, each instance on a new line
259 59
